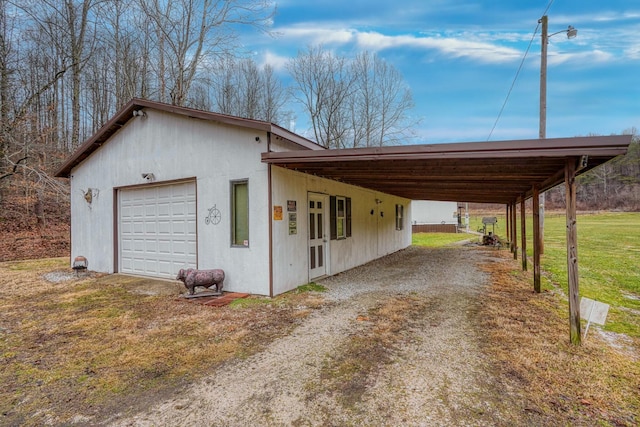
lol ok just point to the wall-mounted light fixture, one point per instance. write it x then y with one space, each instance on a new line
584 162
139 113
378 201
149 177
258 139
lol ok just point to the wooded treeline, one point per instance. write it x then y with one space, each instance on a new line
614 185
66 66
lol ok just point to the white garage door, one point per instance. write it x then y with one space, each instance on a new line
157 229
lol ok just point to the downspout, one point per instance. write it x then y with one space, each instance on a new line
270 196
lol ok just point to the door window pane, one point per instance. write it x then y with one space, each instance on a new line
312 225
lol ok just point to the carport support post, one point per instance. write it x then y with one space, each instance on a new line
506 223
572 250
514 230
536 239
523 233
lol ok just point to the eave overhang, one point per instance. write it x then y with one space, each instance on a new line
126 113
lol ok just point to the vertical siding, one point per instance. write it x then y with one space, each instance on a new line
373 234
173 148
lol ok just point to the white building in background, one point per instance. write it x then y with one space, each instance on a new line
434 216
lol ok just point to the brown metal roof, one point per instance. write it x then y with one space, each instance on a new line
126 114
493 172
486 172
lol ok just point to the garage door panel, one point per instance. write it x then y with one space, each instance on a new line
164 227
158 229
164 211
164 247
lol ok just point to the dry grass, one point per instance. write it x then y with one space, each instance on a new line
351 370
592 384
89 345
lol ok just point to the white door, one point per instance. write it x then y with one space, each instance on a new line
157 229
317 208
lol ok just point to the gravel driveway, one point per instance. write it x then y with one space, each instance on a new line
433 373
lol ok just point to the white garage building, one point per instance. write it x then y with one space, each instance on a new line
160 188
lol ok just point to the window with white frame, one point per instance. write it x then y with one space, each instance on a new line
340 216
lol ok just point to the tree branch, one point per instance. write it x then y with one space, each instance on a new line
15 168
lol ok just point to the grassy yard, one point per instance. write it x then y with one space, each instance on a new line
608 260
528 333
94 345
440 239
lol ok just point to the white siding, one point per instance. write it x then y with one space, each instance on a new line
176 148
373 234
433 212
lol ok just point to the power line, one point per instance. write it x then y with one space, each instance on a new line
518 72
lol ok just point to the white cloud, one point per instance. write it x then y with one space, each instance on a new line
278 62
455 47
449 46
591 57
316 36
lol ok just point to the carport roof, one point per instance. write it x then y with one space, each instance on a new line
485 172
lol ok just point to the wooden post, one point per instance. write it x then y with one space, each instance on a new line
572 250
523 233
507 230
514 231
536 240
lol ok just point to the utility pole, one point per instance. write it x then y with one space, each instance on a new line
571 33
543 109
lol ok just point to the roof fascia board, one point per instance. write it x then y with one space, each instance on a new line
558 147
126 113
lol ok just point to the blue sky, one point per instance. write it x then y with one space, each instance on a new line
460 58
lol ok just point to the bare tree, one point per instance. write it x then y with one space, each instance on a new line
362 102
275 97
193 33
224 86
379 104
323 85
243 89
7 68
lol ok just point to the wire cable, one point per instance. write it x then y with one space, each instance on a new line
515 78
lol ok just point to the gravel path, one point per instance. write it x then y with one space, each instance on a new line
436 374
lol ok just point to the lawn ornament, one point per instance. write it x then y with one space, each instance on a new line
205 278
80 263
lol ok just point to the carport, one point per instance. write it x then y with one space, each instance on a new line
505 172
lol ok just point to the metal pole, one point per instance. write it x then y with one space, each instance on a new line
543 109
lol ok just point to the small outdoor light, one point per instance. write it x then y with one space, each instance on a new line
148 176
571 32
